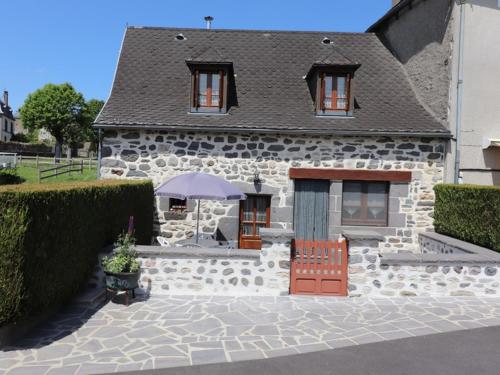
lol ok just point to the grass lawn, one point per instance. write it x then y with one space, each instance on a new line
29 175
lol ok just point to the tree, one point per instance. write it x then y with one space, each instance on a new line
89 114
82 131
55 108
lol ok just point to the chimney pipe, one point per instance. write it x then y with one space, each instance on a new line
209 20
6 98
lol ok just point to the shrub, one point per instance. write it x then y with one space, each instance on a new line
10 177
50 236
469 212
124 257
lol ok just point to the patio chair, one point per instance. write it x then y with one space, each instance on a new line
163 241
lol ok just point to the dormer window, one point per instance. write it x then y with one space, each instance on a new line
334 94
208 91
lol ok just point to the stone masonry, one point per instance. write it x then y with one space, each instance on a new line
194 271
160 155
371 275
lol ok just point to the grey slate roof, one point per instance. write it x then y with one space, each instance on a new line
152 83
6 111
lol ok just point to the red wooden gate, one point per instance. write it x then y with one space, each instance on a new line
319 267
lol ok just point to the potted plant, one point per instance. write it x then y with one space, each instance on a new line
122 269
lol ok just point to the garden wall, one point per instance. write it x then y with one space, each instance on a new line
446 267
50 236
199 271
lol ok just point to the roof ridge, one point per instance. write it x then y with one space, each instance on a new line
360 33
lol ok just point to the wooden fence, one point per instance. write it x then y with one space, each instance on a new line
37 161
60 170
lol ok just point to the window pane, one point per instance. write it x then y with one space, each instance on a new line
341 103
261 204
351 200
215 100
202 99
203 83
341 87
248 210
247 229
215 84
376 201
328 86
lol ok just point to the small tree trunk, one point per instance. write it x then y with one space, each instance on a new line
58 150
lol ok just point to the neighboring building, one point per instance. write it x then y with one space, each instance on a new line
322 130
43 134
450 52
7 119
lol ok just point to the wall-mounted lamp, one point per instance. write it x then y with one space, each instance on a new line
256 176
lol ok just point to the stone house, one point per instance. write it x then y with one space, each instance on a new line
6 119
322 130
449 50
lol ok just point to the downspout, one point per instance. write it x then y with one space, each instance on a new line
460 81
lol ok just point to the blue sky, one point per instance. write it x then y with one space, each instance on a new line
77 41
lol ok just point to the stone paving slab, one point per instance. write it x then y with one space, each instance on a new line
187 330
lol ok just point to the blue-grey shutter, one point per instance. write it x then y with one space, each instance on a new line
311 209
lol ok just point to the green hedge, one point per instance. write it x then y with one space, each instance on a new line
469 212
50 236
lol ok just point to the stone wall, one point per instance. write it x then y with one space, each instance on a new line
376 276
421 38
188 271
160 155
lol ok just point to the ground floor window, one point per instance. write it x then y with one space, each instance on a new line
255 213
177 205
365 203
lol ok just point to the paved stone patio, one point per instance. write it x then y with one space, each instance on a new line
185 330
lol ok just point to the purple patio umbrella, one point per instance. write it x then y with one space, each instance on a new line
199 186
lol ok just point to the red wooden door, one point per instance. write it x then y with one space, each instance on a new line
319 267
255 213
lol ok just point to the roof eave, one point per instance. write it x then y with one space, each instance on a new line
223 129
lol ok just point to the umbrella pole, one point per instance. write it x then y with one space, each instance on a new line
198 222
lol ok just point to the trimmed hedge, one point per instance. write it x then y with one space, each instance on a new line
50 236
469 212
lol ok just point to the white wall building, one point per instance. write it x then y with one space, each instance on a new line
450 50
7 119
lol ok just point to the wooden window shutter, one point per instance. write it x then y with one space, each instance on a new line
195 88
322 92
221 89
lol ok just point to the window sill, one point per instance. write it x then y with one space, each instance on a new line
336 115
207 111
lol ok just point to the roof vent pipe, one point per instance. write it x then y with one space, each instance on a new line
209 20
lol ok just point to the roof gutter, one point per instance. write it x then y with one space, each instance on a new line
445 135
392 12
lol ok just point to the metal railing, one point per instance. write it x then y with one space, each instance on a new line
60 170
8 160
